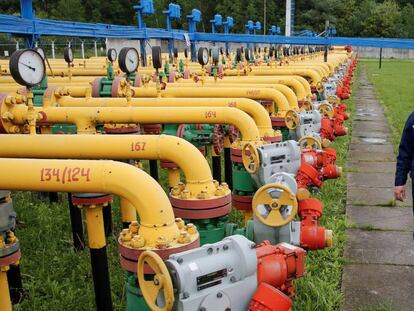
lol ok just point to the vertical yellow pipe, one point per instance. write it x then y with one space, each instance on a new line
95 226
173 177
128 211
5 302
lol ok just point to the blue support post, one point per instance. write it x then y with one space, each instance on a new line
26 11
193 20
249 27
228 24
216 22
173 12
146 7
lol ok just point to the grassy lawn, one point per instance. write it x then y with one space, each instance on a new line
320 289
394 87
57 278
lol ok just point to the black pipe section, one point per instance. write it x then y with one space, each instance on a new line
77 225
101 282
107 219
228 174
216 163
53 197
154 169
14 279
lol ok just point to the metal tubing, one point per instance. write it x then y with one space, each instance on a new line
153 164
99 258
227 167
107 218
216 164
77 225
14 279
5 302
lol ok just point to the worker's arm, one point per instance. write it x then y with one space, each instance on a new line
405 158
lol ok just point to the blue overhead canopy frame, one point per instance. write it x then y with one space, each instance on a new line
31 27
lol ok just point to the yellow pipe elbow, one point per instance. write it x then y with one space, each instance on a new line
152 204
115 147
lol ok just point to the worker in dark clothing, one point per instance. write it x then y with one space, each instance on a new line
405 160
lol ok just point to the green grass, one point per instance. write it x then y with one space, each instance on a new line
320 289
394 86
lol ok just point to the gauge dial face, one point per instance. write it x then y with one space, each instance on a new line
68 54
41 52
205 56
112 55
27 67
129 60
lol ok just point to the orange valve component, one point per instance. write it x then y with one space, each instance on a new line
250 158
275 205
268 298
312 236
160 285
278 265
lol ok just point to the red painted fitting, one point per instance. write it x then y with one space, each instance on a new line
327 129
268 298
308 176
331 171
312 236
278 265
340 130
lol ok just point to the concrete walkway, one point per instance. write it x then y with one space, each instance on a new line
380 246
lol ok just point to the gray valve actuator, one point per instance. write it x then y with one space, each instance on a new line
215 276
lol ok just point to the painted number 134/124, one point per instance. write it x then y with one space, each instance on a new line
66 174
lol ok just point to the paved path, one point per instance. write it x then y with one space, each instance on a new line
380 246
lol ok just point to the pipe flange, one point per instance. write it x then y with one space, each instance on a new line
129 255
198 208
85 199
122 129
278 121
153 129
96 87
11 258
242 203
168 165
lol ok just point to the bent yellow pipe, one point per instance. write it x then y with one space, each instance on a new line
115 147
144 193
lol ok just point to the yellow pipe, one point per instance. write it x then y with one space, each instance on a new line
285 90
86 117
115 147
95 227
5 302
128 213
254 109
152 204
257 93
300 85
173 177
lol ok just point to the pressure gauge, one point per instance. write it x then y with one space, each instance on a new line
202 56
128 60
68 55
41 52
156 57
27 67
215 55
112 55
